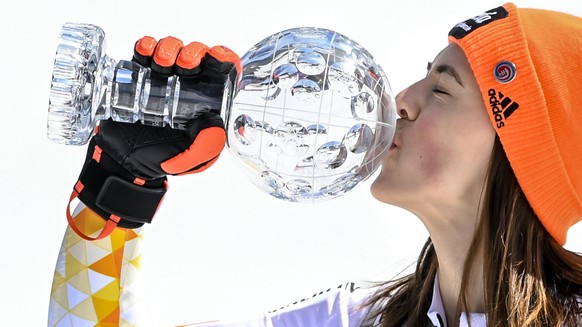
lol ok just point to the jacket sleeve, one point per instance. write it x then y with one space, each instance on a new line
94 281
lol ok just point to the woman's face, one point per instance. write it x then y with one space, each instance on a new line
442 143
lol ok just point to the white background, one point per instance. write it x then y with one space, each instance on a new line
218 247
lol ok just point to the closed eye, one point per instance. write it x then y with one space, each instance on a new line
440 91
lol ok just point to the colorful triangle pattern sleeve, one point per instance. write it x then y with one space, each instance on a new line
95 282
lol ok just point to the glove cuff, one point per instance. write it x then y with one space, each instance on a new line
110 190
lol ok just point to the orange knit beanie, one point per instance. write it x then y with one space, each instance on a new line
528 64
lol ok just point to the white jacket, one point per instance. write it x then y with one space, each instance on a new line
341 307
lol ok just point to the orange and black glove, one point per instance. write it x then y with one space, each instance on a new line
124 175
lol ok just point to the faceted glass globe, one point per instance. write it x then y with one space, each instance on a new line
310 116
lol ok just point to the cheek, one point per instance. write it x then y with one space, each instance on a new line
431 151
454 157
418 163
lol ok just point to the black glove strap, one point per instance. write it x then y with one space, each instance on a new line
105 188
129 201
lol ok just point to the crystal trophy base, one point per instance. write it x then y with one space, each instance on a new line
88 86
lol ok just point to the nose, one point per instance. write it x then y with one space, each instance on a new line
407 104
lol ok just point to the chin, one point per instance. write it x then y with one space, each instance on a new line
385 191
378 190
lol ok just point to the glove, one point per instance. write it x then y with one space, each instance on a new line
124 178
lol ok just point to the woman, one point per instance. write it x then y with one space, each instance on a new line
486 153
488 251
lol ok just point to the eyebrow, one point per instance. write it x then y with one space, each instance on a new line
446 69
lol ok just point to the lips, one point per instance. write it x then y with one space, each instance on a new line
395 144
396 138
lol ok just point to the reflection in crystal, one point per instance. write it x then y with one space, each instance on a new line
244 129
312 36
330 155
291 128
272 179
272 94
274 184
342 78
262 53
362 103
282 196
311 63
252 160
285 75
305 163
262 68
298 186
342 184
264 126
253 83
289 138
305 90
316 129
359 138
298 52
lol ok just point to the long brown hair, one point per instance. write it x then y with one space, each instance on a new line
529 279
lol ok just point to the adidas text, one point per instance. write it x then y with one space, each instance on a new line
501 107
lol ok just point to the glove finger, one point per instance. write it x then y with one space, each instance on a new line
200 155
189 58
143 50
208 139
200 168
165 54
221 59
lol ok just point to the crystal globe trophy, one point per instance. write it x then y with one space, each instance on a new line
309 117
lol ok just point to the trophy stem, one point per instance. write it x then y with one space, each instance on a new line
88 86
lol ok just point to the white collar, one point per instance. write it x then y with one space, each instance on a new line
436 312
